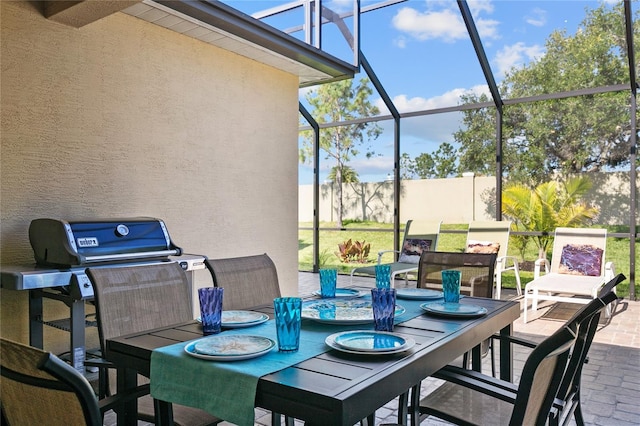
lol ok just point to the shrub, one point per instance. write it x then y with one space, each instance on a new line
350 251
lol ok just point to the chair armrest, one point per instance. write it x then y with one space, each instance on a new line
609 272
515 340
478 382
380 253
537 265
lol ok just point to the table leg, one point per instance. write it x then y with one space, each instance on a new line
506 354
164 412
127 414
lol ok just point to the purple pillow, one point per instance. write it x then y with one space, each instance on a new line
581 260
412 250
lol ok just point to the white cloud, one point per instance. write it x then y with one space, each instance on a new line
447 99
537 17
516 55
446 23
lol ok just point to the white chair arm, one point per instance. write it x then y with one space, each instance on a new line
502 263
380 253
609 271
537 265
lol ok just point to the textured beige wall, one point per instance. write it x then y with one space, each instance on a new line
123 118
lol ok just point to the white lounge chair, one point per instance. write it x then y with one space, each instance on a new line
418 236
577 268
493 237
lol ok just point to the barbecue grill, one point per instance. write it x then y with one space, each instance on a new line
64 249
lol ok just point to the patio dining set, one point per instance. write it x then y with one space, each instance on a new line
146 325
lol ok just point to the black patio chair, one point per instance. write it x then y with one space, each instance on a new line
131 299
549 386
248 281
38 388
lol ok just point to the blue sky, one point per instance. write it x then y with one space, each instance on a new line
421 52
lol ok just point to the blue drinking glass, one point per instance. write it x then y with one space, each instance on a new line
383 302
383 276
451 285
211 309
328 281
288 311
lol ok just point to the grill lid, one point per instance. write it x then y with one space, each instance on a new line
70 243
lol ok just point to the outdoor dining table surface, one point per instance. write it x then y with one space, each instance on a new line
337 388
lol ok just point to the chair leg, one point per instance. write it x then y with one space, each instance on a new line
516 270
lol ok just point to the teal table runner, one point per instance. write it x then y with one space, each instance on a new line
227 389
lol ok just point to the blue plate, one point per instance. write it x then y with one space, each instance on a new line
331 342
418 294
344 292
454 309
369 341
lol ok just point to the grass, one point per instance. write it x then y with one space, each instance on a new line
617 249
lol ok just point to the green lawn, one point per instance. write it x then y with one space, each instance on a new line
617 249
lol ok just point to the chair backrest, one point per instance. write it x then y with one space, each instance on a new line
419 236
587 320
477 271
130 299
579 251
547 375
37 388
488 237
247 281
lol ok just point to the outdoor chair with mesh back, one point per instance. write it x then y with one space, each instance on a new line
38 388
130 299
493 237
419 236
548 389
247 281
578 268
477 271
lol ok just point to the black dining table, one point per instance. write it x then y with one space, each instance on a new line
334 387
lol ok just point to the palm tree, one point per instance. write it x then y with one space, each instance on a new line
548 206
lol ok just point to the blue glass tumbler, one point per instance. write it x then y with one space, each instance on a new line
211 309
288 311
383 276
383 302
328 281
451 285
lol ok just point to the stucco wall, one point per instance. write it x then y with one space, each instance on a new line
454 200
123 118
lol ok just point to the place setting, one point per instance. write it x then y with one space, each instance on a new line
328 286
451 306
380 341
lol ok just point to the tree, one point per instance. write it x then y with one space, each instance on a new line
577 134
338 102
440 164
550 205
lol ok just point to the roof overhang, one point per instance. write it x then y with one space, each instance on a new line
221 25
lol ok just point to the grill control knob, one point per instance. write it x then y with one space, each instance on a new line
122 230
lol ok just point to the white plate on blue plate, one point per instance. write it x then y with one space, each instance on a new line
456 310
331 342
418 294
341 311
369 341
239 319
344 292
229 347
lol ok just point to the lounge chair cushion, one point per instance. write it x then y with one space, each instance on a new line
412 250
487 247
581 259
